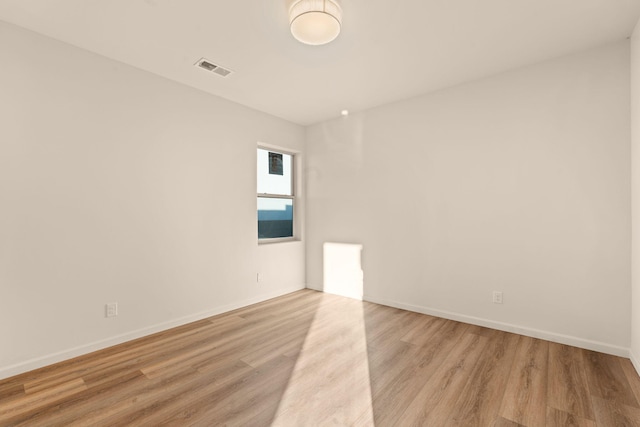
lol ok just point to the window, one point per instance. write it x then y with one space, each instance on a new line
275 195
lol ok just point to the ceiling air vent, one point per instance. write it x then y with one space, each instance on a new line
210 66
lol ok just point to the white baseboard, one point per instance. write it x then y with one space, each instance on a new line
29 365
635 361
507 327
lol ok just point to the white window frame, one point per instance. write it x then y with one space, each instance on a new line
292 197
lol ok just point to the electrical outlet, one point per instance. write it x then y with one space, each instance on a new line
497 297
111 309
257 277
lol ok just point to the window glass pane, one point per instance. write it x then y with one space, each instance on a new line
275 218
274 173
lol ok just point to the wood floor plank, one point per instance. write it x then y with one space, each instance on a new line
632 376
339 396
394 385
613 413
162 396
81 406
567 387
105 358
217 404
606 378
234 345
387 365
380 335
525 397
292 337
310 358
10 390
422 337
480 400
149 354
11 410
336 389
434 403
272 306
503 422
122 359
417 330
558 418
482 331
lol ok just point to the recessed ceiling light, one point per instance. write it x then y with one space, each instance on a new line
344 112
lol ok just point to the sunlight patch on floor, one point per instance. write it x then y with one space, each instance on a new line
336 391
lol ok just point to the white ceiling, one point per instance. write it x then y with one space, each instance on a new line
388 50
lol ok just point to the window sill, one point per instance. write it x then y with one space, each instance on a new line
278 240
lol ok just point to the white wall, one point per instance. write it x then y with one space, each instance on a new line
120 186
518 183
635 196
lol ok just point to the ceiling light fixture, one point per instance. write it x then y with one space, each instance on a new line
315 22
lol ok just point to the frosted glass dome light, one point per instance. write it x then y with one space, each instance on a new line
315 22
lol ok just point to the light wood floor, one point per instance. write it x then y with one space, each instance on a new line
312 359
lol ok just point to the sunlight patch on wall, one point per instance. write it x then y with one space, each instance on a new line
343 273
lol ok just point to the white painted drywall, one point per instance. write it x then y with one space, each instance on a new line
635 197
518 183
117 185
